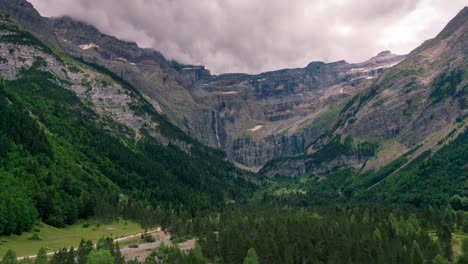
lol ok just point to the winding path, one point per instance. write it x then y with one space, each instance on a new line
115 240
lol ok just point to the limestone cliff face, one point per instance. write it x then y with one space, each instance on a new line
145 69
115 106
275 114
253 118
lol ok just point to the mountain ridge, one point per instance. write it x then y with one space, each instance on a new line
176 90
420 101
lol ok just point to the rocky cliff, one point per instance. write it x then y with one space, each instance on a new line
415 106
253 118
274 114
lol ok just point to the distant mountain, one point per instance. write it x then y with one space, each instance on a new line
273 114
415 107
253 118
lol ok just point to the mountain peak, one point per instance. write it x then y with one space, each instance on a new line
384 53
458 21
24 13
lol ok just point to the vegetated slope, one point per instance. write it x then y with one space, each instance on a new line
253 118
412 106
73 137
430 179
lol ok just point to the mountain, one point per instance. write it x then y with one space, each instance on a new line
94 129
274 114
253 118
407 130
223 111
75 137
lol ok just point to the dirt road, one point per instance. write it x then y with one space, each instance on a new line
115 240
144 250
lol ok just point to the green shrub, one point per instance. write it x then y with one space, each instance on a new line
34 237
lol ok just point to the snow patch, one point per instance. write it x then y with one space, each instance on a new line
133 64
122 59
230 92
88 46
255 128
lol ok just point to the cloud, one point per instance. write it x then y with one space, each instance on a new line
261 35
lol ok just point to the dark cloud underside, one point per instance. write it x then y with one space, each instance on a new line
260 35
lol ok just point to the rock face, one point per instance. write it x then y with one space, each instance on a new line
274 114
403 104
418 104
253 118
115 106
223 111
23 13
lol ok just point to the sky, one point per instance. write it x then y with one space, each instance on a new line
254 36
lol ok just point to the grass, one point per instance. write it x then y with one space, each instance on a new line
304 178
131 241
288 191
56 238
457 238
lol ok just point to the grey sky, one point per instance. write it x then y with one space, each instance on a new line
261 35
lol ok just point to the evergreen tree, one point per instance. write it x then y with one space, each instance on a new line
59 257
9 258
196 255
440 260
251 257
41 257
100 256
84 249
416 254
445 241
70 256
118 258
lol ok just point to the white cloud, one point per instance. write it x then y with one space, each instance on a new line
260 35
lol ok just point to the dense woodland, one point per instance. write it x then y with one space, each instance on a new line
57 161
257 233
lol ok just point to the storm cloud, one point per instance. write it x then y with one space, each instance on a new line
261 35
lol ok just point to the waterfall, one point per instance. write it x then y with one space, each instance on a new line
215 125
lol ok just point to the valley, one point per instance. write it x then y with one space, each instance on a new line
330 163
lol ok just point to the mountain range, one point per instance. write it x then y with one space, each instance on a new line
331 163
253 118
119 121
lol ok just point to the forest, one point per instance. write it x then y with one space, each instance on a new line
267 233
57 162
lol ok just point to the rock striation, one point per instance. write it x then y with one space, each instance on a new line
253 118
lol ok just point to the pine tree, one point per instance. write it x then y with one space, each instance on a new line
196 255
41 257
71 256
118 258
416 254
100 256
251 257
84 249
60 257
9 258
440 260
445 241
